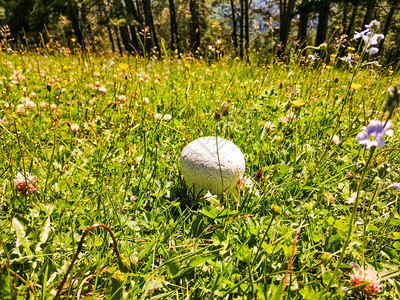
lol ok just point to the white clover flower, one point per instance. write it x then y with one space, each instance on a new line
74 127
167 117
336 139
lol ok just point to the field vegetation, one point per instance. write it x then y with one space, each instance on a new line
93 204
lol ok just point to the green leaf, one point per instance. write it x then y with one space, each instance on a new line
22 240
172 268
152 284
200 259
210 212
395 235
6 286
396 245
116 289
45 231
276 291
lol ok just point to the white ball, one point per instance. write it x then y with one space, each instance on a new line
211 164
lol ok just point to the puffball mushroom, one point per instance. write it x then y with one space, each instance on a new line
211 164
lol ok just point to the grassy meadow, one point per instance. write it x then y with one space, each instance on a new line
88 139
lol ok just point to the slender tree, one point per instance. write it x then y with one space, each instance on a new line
346 7
241 29
174 27
350 26
286 10
135 24
150 28
369 13
194 26
74 16
234 26
246 27
323 19
394 4
370 4
304 11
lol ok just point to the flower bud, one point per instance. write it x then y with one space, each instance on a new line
124 264
217 115
393 98
276 210
325 258
259 175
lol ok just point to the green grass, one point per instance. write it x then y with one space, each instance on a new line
121 168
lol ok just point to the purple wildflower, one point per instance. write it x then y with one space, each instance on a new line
395 185
372 135
369 36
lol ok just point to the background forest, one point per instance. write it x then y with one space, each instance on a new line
205 28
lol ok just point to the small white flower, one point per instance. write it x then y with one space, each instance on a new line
74 127
57 165
351 199
336 139
167 117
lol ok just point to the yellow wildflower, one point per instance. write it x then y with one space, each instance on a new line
355 86
297 103
123 66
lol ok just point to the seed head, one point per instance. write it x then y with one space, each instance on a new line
217 115
393 98
276 210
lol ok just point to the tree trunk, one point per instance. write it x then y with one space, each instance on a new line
246 28
241 29
286 9
304 10
118 40
126 39
134 16
234 32
110 36
346 5
148 19
348 31
74 16
352 19
323 18
369 13
367 19
388 21
174 27
194 26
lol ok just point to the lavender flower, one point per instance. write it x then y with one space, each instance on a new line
372 135
369 36
395 185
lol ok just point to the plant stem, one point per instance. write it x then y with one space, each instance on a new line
296 236
265 234
365 221
352 219
62 283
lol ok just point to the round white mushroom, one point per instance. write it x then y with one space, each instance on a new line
211 164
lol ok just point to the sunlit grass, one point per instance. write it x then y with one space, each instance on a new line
102 137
